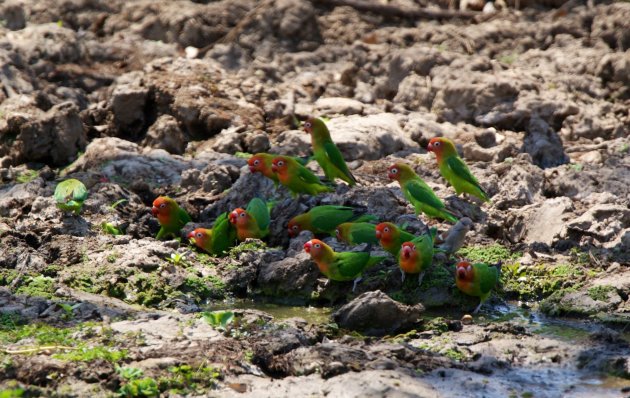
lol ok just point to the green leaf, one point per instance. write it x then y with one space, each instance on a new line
219 319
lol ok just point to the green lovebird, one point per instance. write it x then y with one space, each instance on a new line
416 256
344 266
477 279
454 170
418 192
252 222
70 195
326 153
392 237
262 162
297 178
218 240
324 219
171 217
355 233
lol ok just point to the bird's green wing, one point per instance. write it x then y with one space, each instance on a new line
259 210
182 216
459 168
326 218
488 276
306 175
421 192
71 189
351 264
223 234
335 157
363 233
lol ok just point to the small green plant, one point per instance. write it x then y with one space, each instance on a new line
12 393
219 319
624 148
117 203
26 176
110 229
67 311
40 286
146 387
177 259
576 167
489 254
508 59
86 354
129 373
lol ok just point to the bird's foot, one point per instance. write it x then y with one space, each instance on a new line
356 281
402 276
478 307
420 277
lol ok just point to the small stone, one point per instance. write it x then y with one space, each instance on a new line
467 319
191 52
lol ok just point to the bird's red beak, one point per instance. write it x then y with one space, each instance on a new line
406 251
274 168
155 211
252 169
391 175
461 273
191 235
307 246
430 148
233 217
378 234
291 233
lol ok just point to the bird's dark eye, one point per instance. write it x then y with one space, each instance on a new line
394 171
163 205
468 268
437 143
281 163
413 248
242 214
317 245
337 232
307 125
199 234
386 229
256 162
295 227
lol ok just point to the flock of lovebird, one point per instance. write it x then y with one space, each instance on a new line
415 254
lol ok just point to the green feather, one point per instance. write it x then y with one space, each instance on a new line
258 209
424 199
70 195
455 171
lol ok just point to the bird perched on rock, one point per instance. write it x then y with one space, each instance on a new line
324 219
453 239
416 256
326 153
454 170
343 266
297 178
252 222
171 217
70 195
418 192
218 240
355 233
262 163
477 279
391 237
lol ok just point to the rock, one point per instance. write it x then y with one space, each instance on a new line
584 302
543 223
374 313
292 277
256 142
127 102
602 221
47 42
54 137
228 142
338 106
166 134
12 13
116 158
543 144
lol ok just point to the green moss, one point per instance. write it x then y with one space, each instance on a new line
454 354
600 292
12 393
7 276
40 286
88 354
489 254
203 288
438 325
186 379
538 281
552 304
40 333
250 245
52 270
